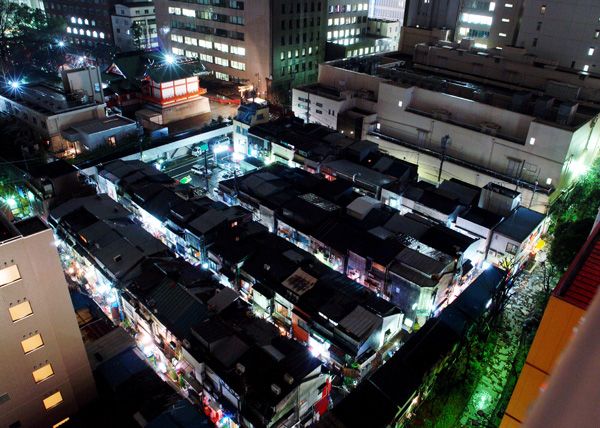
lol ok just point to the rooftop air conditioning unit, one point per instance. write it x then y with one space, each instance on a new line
276 389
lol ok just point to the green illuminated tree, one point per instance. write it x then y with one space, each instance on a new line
28 37
573 215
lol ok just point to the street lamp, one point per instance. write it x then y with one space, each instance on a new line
169 59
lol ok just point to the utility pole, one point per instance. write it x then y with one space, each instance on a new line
446 141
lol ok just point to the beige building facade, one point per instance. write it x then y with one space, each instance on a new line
45 376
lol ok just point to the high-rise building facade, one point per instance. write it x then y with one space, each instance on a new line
564 30
432 14
387 9
298 43
45 375
88 22
269 45
231 37
489 24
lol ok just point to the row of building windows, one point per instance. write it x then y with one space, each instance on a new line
305 38
300 8
296 68
238 65
75 20
207 44
342 33
343 21
298 53
219 32
305 23
139 11
348 8
207 15
362 51
83 32
229 4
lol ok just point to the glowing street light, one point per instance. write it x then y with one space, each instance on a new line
169 59
61 44
15 84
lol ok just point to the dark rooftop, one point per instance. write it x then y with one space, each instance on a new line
520 223
30 226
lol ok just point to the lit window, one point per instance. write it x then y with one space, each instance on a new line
88 33
542 9
9 274
20 311
532 141
472 18
32 343
64 421
400 103
73 20
79 21
586 67
548 181
591 51
596 34
95 34
463 31
502 34
101 35
53 400
43 373
69 30
492 6
86 22
505 20
508 5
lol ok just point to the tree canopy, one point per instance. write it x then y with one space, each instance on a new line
29 37
573 215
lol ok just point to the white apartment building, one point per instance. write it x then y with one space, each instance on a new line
129 15
387 9
324 104
387 31
45 375
496 136
564 30
250 114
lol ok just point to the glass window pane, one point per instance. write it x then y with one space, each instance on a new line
9 274
20 311
43 373
32 343
53 400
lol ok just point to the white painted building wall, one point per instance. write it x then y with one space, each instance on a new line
42 285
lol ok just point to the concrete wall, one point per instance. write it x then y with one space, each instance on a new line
43 285
566 31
